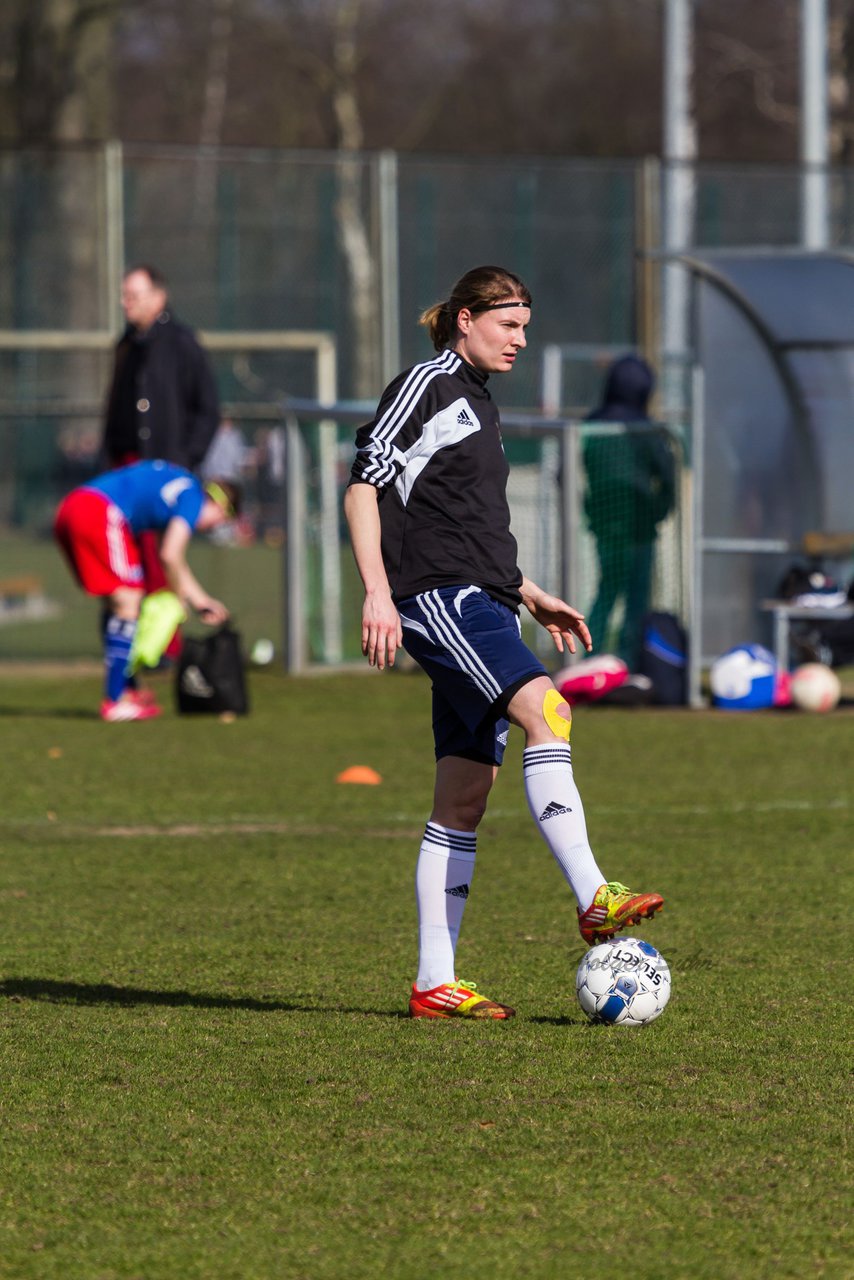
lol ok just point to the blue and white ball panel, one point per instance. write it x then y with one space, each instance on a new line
624 982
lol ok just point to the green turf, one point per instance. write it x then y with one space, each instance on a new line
249 579
206 1071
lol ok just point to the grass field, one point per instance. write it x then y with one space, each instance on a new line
206 1069
249 578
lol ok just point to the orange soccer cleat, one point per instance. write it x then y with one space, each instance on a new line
614 907
456 1000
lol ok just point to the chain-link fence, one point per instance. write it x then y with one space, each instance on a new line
263 243
579 495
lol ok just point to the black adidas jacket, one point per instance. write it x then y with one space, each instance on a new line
434 452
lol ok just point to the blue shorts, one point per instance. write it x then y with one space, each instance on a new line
471 648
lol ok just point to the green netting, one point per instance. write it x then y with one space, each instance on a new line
56 620
264 252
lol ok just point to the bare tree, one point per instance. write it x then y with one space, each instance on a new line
352 227
57 88
215 95
841 57
552 77
56 73
320 76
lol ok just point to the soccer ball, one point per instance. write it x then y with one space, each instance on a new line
815 687
623 981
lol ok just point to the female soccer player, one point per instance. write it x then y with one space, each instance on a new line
430 527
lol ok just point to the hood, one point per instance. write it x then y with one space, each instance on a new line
628 387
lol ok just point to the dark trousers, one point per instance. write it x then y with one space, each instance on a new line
625 572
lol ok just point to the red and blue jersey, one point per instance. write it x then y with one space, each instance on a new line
150 494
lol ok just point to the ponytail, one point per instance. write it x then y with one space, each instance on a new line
440 324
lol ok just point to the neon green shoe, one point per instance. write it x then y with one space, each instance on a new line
456 1000
614 907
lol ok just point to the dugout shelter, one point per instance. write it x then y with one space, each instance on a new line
772 333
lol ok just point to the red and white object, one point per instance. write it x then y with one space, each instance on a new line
591 678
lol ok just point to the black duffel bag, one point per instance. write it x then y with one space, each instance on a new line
211 674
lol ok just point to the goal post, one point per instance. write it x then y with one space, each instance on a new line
319 342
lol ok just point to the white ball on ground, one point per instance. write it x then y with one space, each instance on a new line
815 687
262 653
624 981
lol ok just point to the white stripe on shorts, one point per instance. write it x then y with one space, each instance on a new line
433 608
116 548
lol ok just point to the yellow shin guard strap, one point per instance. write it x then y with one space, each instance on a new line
559 725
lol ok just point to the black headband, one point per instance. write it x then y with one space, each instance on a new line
496 306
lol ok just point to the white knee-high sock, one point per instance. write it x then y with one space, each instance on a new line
442 882
557 810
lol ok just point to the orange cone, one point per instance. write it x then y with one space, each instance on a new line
361 773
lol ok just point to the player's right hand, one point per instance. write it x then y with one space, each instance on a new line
382 634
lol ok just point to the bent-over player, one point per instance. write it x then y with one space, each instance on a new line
98 526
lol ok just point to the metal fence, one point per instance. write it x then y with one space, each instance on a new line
253 245
547 493
252 239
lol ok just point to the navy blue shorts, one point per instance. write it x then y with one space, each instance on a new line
471 648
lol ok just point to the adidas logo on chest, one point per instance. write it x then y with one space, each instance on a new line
455 421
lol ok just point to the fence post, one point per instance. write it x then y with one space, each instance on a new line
551 380
647 244
293 561
694 515
387 175
570 511
114 216
330 547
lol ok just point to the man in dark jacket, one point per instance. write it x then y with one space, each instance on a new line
163 401
630 490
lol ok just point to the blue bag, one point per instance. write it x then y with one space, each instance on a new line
664 658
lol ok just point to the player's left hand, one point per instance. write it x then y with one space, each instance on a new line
562 622
212 611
